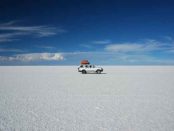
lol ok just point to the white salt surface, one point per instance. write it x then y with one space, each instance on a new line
125 98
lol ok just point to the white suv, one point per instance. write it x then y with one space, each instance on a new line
89 69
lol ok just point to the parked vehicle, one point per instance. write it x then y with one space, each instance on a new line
87 68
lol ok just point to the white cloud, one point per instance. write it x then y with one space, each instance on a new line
123 47
148 45
33 57
9 23
170 51
8 37
11 50
14 30
86 45
169 38
101 42
46 47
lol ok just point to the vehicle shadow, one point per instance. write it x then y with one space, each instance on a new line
94 73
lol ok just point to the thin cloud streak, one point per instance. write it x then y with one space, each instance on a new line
147 46
8 37
14 31
46 47
102 42
41 31
11 50
86 46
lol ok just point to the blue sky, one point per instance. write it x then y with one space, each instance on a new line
106 32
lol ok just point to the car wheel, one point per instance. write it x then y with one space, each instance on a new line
98 71
83 72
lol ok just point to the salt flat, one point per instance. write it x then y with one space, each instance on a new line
123 98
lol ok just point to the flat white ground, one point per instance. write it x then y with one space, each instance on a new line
125 98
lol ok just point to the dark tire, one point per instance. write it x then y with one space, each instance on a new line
98 72
83 72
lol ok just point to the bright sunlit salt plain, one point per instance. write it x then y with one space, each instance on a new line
123 98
